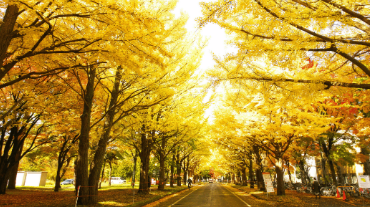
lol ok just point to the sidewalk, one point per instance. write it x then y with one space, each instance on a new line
292 198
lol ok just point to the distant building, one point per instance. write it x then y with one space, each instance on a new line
25 178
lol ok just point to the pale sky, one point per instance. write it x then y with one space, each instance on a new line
216 40
216 35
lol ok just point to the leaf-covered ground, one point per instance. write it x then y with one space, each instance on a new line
115 197
293 198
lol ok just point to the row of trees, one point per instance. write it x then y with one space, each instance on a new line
79 78
297 85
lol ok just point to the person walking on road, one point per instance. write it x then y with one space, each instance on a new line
316 188
189 183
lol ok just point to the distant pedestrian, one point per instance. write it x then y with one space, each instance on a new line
189 183
316 188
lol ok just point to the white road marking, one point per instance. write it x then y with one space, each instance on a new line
237 196
183 198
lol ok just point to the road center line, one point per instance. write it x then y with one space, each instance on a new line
237 196
183 197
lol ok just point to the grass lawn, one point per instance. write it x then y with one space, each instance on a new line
115 195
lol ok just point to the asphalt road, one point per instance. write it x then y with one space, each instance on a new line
212 194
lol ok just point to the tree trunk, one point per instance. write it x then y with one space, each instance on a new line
82 175
303 174
260 182
184 172
102 175
327 152
244 176
61 158
97 163
178 171
145 159
6 30
332 170
57 177
4 180
14 171
13 176
238 181
134 171
290 175
323 166
364 151
167 177
187 170
340 175
172 169
161 171
110 174
280 176
13 146
251 172
66 167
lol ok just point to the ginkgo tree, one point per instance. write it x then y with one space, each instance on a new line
331 33
138 82
38 38
118 57
21 127
271 121
315 44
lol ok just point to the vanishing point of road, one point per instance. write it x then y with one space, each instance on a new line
209 195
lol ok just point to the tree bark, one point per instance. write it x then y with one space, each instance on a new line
145 159
340 175
280 176
187 170
327 152
57 180
13 176
323 166
251 172
332 170
172 169
244 176
82 175
6 36
178 171
238 180
4 181
110 174
161 171
184 171
61 159
14 171
134 171
366 163
290 175
58 177
14 143
102 175
97 163
260 182
303 174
